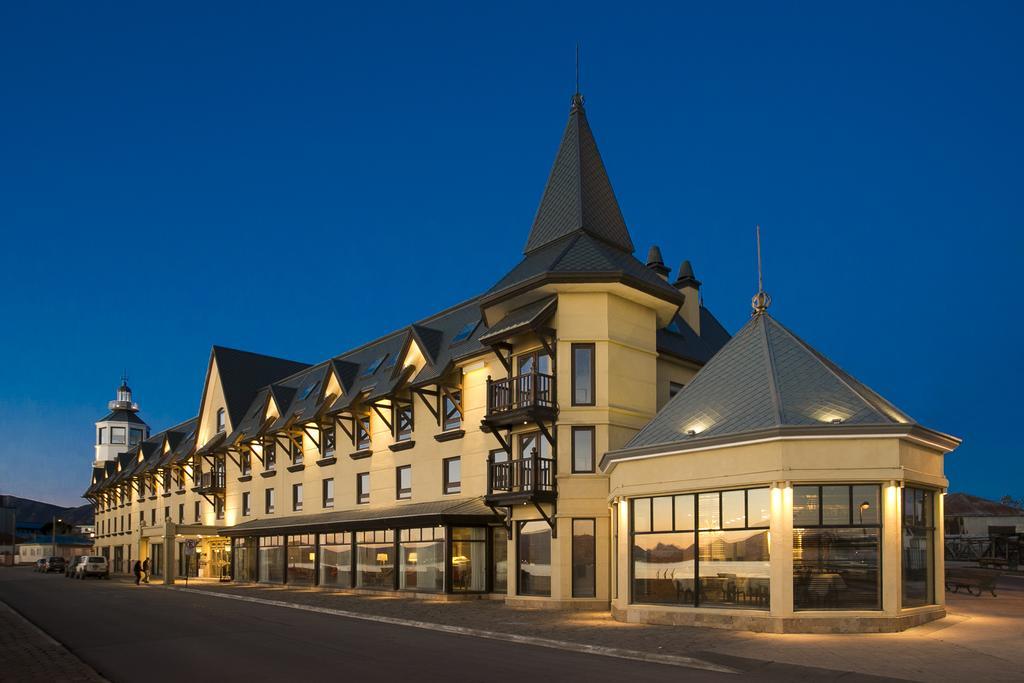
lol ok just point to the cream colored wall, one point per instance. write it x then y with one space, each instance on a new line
673 370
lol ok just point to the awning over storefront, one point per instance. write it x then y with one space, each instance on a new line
471 511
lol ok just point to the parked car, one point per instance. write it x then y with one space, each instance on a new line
69 568
92 565
55 564
40 565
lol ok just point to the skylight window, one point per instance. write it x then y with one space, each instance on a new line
374 366
308 390
464 334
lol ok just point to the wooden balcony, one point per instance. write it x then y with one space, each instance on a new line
211 482
528 397
530 479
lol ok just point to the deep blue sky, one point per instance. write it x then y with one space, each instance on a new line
297 179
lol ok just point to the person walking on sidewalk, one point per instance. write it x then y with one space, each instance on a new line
137 570
145 571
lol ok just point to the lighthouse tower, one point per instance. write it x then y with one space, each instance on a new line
121 428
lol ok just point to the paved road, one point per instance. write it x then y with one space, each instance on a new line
130 633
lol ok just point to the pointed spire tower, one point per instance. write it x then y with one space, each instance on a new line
578 196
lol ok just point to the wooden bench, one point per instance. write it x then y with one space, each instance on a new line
974 584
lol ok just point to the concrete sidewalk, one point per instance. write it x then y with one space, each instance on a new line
28 654
980 640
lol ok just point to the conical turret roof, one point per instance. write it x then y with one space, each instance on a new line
766 381
578 195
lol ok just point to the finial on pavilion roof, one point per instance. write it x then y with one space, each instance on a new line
761 300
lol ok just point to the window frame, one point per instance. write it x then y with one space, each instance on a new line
118 433
362 494
400 493
221 420
593 448
451 419
572 556
592 373
246 503
270 500
327 502
297 497
450 487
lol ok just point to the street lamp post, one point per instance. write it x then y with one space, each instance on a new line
53 534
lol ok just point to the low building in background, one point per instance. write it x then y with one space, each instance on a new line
977 517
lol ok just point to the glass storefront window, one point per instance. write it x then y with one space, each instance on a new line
271 559
469 559
837 547
584 559
375 559
421 552
336 560
244 558
499 550
918 550
534 558
704 566
301 560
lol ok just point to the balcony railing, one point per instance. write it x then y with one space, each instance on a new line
211 482
519 392
532 476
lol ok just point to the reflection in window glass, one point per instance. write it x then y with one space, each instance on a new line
375 559
301 560
709 511
805 506
534 558
867 507
584 559
835 505
663 568
662 513
758 507
642 514
733 510
499 549
918 540
836 568
271 559
336 560
422 565
469 559
684 513
734 568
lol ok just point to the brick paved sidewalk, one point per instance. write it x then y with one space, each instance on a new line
980 640
28 654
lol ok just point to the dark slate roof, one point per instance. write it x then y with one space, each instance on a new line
526 317
254 423
581 258
578 195
764 378
243 373
679 339
122 415
966 505
406 515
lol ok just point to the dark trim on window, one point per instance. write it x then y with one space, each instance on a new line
593 449
593 374
402 445
400 493
572 556
362 497
324 462
296 468
449 487
451 435
268 473
359 455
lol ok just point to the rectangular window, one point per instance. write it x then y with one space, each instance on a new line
676 561
117 435
534 558
363 488
499 559
218 507
270 456
244 558
584 559
271 559
674 388
269 502
363 433
298 454
197 511
452 410
301 553
469 559
918 547
582 449
99 437
246 505
330 435
403 482
152 517
837 547
336 560
181 513
375 559
221 424
296 497
328 493
421 559
134 436
452 475
403 422
583 374
245 460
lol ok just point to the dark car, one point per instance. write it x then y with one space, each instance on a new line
40 565
55 564
69 568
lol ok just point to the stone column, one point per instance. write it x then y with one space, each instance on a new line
892 546
170 528
780 529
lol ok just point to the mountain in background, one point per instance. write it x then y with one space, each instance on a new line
36 512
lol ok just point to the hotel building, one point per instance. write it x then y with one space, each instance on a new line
582 435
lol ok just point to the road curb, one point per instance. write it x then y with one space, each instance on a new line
636 655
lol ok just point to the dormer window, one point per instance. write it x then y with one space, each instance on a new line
374 366
221 424
117 435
